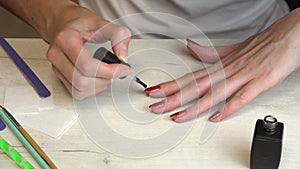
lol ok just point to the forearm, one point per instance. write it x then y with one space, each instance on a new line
40 14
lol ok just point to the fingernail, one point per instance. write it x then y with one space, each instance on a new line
123 59
152 89
157 105
177 115
216 117
122 53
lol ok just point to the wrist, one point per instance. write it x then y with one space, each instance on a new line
54 18
40 14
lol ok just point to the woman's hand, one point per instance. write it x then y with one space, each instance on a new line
240 72
83 75
66 26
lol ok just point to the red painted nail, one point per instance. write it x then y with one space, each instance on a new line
216 117
177 115
152 89
157 105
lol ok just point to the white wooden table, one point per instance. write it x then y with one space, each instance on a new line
228 147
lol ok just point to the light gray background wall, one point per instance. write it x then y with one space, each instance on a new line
13 27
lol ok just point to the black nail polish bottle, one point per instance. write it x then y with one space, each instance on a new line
267 144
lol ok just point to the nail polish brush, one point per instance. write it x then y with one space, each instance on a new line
106 56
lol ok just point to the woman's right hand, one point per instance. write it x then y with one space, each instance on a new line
67 32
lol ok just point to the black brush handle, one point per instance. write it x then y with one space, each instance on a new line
108 57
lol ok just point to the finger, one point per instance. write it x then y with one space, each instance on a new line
204 77
209 54
187 94
61 77
67 69
69 72
219 86
209 99
120 42
70 42
217 93
78 94
239 100
170 87
214 83
60 62
119 37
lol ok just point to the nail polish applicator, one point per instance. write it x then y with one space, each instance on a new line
108 57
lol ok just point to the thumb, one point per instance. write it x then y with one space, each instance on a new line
120 39
209 54
119 36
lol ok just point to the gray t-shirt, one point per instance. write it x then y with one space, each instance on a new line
176 18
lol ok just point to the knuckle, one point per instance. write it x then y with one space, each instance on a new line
200 86
242 97
81 83
102 89
86 69
60 37
111 74
50 55
123 32
190 76
175 100
78 95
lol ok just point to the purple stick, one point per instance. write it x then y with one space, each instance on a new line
34 81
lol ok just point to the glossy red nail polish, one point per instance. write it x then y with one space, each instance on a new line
177 115
152 89
216 117
157 105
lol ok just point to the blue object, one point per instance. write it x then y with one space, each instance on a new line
2 125
34 81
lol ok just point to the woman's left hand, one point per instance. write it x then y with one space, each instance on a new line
241 72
